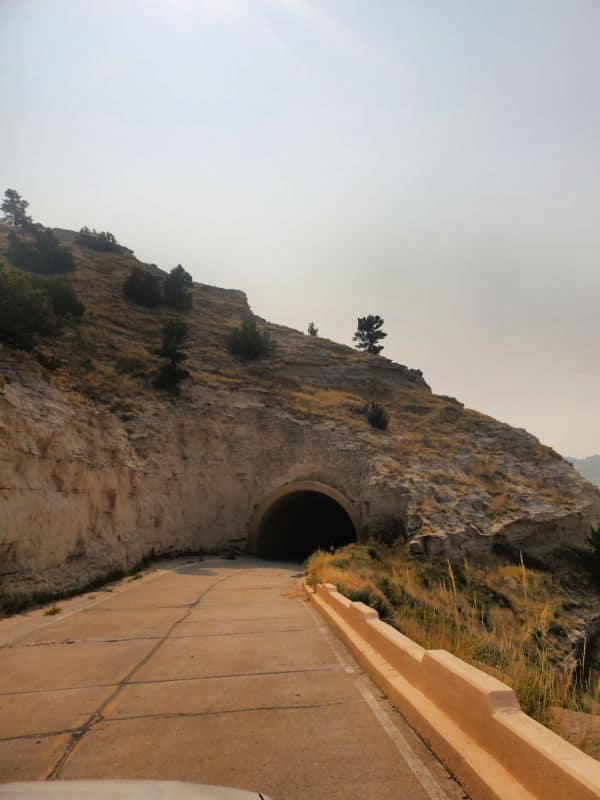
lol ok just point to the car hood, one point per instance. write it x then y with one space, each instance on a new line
122 790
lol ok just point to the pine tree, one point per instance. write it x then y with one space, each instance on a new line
368 333
14 208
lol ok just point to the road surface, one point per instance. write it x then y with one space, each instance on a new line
213 672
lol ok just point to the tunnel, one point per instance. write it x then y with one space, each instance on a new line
300 522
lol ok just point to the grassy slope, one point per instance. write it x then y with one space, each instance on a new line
509 620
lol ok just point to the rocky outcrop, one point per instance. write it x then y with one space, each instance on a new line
98 470
83 492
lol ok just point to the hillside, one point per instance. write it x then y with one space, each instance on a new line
99 469
588 467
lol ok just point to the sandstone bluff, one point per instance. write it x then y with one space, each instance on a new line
98 469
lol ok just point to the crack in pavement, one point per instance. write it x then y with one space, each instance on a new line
134 608
226 711
57 642
182 714
79 733
229 675
44 735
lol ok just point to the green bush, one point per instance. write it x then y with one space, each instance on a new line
62 296
148 289
174 334
43 253
377 416
177 289
394 592
97 240
143 287
248 342
369 597
25 311
48 360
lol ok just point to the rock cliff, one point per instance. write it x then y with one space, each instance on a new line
98 469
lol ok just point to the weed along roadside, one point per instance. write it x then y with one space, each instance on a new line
504 618
471 720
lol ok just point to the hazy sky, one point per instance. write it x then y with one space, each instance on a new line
437 163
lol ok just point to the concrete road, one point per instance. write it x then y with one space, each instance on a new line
214 672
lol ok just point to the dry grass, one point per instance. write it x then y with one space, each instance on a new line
502 505
484 468
505 619
326 403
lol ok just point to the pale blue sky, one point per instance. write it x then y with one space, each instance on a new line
437 163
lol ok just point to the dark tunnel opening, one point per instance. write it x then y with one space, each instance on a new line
301 522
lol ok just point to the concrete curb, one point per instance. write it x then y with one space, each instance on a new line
472 721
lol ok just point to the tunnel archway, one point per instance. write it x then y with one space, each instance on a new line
301 518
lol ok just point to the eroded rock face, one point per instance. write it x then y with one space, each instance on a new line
83 492
98 469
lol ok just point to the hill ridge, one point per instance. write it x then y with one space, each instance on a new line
119 470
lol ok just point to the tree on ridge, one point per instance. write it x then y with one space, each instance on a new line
369 333
14 208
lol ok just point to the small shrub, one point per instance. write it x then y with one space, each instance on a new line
374 554
48 360
143 287
169 377
370 597
312 329
25 311
174 334
377 416
177 289
248 342
62 296
54 609
392 591
97 240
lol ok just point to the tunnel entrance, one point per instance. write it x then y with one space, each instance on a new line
300 522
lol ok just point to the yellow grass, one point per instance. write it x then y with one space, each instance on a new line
501 618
